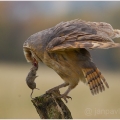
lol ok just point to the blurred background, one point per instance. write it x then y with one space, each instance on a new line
19 20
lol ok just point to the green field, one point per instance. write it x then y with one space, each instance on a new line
15 101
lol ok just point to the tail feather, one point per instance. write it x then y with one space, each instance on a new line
95 80
99 83
95 76
103 79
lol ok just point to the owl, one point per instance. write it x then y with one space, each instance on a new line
65 48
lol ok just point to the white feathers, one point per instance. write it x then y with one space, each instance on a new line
116 33
104 45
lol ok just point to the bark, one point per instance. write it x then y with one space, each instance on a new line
49 106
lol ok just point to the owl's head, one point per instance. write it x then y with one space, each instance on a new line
33 48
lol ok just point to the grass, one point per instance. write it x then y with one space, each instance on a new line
15 101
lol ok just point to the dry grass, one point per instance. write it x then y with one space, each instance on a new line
15 101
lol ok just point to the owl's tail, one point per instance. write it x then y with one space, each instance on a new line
95 80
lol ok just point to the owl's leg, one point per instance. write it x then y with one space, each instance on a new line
65 95
58 87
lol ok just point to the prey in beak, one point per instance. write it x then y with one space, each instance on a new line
30 79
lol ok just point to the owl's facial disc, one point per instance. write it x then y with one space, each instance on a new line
31 56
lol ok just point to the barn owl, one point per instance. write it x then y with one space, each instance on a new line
65 48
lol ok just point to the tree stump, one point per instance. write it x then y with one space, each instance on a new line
49 106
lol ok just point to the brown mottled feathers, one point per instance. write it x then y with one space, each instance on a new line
64 49
92 35
76 42
95 80
81 34
86 44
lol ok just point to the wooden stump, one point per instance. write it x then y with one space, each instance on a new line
49 106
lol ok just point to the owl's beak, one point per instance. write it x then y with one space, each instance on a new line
35 62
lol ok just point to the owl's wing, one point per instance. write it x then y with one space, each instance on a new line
80 40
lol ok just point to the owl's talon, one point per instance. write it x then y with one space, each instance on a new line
65 97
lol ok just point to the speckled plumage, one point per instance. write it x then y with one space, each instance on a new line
64 49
